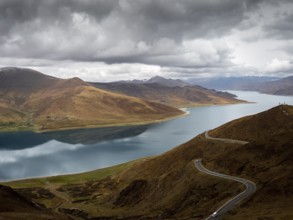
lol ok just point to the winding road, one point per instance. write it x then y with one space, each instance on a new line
64 198
250 186
229 141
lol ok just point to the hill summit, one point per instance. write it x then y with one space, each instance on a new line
167 82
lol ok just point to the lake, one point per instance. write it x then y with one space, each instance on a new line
27 154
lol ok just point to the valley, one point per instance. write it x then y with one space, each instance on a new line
146 110
156 187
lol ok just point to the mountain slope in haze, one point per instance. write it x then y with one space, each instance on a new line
232 83
166 82
169 186
183 96
278 87
268 85
158 80
29 99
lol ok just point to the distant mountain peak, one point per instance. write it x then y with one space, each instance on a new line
7 68
158 80
16 70
72 82
167 82
75 79
157 77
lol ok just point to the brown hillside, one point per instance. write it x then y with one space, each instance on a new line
174 188
97 107
13 206
169 187
258 127
21 79
40 102
183 96
10 115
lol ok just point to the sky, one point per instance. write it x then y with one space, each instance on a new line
109 40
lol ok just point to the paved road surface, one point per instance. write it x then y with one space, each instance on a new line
250 186
229 141
250 189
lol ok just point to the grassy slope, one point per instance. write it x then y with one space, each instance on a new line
266 159
70 178
14 206
13 119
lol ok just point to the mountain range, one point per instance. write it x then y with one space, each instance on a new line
32 100
159 80
167 82
268 85
282 86
169 186
262 84
172 92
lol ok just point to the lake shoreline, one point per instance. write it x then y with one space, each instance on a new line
30 154
120 124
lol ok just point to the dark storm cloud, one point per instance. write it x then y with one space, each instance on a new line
184 19
183 36
156 17
281 28
113 31
20 11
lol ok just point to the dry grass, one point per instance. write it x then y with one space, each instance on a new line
70 178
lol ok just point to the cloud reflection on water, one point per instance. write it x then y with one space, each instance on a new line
51 147
27 139
97 148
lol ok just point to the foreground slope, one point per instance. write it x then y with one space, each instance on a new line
13 206
174 189
170 187
182 96
29 99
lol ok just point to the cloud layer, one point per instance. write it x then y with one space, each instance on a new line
168 36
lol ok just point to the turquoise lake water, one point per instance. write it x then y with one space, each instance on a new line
28 154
